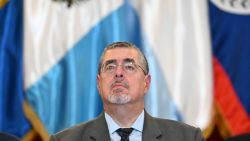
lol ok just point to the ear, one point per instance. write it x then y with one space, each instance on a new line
147 83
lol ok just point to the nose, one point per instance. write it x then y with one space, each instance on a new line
119 72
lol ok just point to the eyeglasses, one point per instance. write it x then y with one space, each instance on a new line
128 67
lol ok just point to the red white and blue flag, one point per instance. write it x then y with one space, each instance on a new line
230 33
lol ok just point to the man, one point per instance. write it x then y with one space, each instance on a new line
123 80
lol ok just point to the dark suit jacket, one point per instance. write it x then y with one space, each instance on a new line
154 129
8 137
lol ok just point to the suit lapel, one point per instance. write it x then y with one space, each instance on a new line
99 130
151 131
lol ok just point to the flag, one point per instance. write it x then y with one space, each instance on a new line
12 116
230 33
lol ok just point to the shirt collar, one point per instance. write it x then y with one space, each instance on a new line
138 124
113 126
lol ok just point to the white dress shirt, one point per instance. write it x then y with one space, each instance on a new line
136 134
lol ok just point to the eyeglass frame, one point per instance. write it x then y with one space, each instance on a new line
126 60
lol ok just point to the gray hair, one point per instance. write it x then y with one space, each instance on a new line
114 45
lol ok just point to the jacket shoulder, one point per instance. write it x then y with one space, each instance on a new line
73 133
174 124
178 130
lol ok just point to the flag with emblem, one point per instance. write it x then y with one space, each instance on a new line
230 33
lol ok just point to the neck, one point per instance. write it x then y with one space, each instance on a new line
124 115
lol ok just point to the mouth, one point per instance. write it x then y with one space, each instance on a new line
119 85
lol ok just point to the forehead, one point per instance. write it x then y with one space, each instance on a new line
120 54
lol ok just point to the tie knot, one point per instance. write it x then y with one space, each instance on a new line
124 133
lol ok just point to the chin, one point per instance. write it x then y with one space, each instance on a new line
119 98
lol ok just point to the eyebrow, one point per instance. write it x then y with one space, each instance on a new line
110 62
129 60
115 61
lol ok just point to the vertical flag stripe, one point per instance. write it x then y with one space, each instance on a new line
12 117
230 105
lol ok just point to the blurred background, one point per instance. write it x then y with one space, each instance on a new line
198 53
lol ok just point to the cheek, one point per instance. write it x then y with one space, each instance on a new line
105 86
137 85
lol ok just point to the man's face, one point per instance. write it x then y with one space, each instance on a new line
122 79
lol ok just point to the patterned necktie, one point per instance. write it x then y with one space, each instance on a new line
124 133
